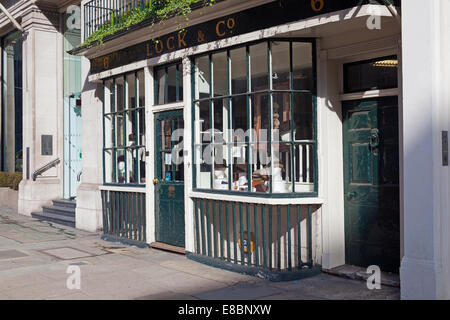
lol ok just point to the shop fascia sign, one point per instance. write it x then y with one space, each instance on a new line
265 16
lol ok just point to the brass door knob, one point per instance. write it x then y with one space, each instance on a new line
155 181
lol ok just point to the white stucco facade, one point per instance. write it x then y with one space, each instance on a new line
420 42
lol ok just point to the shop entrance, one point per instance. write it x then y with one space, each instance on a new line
169 178
371 183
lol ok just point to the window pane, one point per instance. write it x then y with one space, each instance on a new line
302 65
203 163
141 160
132 166
202 123
141 112
239 167
371 75
180 81
282 116
238 70
120 166
239 113
109 96
160 86
282 170
260 118
258 66
203 82
304 168
109 168
131 91
109 119
120 139
220 120
120 94
303 117
280 65
172 84
220 72
260 162
131 117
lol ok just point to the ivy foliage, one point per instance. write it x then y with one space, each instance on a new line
156 10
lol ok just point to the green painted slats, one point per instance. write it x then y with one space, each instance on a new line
255 220
289 236
202 223
124 215
233 206
263 234
310 260
208 230
197 227
213 203
221 229
144 221
241 227
228 231
249 238
299 238
278 237
270 237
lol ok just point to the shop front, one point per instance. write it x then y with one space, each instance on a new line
264 146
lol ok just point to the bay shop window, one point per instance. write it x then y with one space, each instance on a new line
124 129
254 119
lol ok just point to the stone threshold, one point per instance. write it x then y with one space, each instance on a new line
359 273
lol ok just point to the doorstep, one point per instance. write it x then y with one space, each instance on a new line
168 247
359 273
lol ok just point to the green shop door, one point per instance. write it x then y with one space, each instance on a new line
371 183
169 178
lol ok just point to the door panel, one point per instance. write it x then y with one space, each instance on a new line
169 179
371 173
72 145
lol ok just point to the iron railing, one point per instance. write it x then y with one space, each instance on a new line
123 215
98 13
273 237
44 168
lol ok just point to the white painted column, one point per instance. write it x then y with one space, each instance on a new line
150 159
89 207
187 140
425 267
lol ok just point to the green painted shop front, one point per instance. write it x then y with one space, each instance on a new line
169 180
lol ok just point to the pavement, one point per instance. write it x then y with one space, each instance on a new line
40 260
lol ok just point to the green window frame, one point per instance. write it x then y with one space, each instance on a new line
124 152
298 154
168 81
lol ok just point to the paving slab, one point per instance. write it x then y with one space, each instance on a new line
34 257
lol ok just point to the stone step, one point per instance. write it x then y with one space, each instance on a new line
65 203
55 218
64 211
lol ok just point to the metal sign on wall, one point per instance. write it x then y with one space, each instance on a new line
265 16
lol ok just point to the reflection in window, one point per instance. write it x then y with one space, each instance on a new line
169 84
12 153
255 134
372 74
124 129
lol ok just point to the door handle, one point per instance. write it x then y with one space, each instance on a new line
155 181
374 138
351 195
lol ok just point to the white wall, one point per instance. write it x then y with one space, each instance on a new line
425 267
